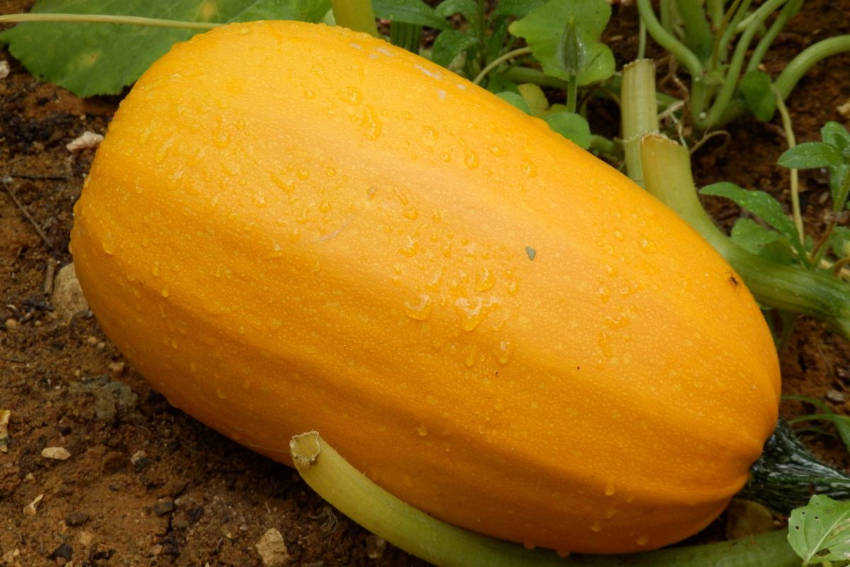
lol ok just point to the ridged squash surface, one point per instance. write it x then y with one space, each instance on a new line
292 227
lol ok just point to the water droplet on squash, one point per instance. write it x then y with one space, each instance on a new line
411 212
471 356
528 168
618 234
604 294
497 150
107 243
302 174
610 513
503 352
422 431
259 199
470 159
220 394
610 490
155 269
472 312
420 310
165 292
409 248
309 94
429 135
445 156
351 95
648 246
642 540
484 280
596 527
371 124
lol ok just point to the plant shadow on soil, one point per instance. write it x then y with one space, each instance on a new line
146 484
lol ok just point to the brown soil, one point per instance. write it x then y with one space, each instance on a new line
146 484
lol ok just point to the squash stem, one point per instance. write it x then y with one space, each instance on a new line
356 15
667 173
787 474
639 112
410 529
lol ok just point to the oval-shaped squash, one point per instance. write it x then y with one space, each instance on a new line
293 227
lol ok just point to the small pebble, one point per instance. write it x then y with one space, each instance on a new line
163 506
75 519
272 549
4 429
67 297
4 69
56 453
84 141
836 397
85 538
375 546
10 324
64 551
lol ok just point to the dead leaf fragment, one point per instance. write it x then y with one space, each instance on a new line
844 109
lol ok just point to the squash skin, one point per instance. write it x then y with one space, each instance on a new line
293 227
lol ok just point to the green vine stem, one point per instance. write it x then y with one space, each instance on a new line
105 19
712 99
410 529
794 174
806 59
667 174
504 58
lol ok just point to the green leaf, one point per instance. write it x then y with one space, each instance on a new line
534 97
839 241
570 125
544 30
92 59
498 83
449 44
763 241
516 8
410 12
515 99
820 531
497 41
755 87
467 8
811 154
761 204
836 134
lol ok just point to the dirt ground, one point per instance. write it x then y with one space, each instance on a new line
145 484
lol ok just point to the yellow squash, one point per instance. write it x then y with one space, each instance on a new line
292 227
